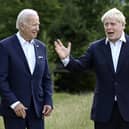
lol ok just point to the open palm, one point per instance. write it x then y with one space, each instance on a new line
61 50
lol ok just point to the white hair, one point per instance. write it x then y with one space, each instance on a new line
114 13
23 15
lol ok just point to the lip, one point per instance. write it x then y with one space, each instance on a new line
110 33
34 32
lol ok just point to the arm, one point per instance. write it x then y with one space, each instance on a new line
80 64
5 90
48 90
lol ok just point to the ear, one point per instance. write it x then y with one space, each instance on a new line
123 26
22 26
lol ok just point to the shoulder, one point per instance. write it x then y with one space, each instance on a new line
8 40
97 43
127 37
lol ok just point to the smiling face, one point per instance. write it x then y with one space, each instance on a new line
113 29
30 27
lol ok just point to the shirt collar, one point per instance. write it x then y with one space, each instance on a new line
122 38
22 40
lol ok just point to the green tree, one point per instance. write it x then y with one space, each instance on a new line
78 21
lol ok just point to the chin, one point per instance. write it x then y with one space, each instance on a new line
34 36
111 38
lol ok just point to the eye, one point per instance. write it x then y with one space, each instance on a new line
106 24
112 24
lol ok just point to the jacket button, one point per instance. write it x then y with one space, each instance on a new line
116 83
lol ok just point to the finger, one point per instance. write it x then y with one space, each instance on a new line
20 109
59 42
25 108
69 46
47 110
47 113
21 113
17 113
44 110
57 45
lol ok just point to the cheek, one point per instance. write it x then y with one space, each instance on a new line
119 30
29 32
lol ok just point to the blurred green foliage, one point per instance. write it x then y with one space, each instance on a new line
78 21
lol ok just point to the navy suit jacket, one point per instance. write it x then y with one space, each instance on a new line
16 81
108 82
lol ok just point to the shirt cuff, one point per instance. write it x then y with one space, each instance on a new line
65 61
14 104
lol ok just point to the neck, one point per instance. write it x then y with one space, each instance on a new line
24 37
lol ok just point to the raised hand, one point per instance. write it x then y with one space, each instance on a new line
61 50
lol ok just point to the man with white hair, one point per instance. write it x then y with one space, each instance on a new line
109 58
25 82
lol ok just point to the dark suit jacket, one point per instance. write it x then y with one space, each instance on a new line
108 82
16 81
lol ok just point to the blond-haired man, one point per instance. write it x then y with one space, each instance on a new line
109 59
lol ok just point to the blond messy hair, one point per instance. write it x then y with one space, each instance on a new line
114 13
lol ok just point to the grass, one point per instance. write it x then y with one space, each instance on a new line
71 111
1 123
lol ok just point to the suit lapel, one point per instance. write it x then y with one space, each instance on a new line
123 55
21 55
36 47
20 52
108 56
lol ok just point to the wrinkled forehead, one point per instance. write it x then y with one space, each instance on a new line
31 17
112 19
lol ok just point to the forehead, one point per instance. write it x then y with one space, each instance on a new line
111 20
32 18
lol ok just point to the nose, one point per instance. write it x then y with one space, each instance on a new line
109 26
37 27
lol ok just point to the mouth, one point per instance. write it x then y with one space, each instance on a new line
110 33
35 32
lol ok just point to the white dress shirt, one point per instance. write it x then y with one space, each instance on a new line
28 49
115 49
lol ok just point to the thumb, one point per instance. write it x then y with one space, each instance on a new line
25 108
44 109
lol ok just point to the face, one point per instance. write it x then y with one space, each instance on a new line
113 29
30 28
